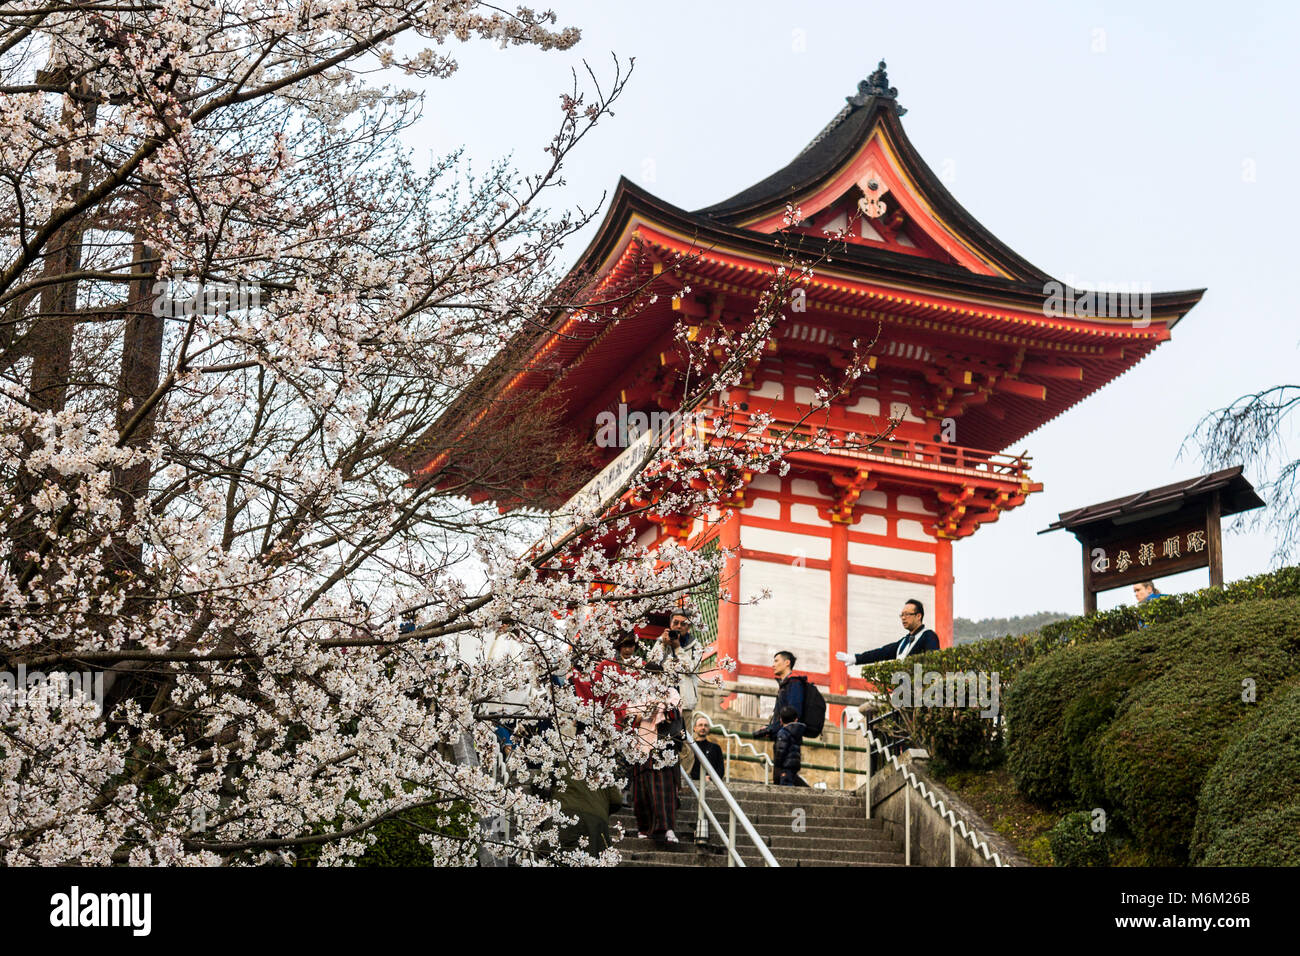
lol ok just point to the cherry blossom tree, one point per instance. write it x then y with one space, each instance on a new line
230 308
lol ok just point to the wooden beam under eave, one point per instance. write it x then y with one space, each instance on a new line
1072 373
1023 389
688 305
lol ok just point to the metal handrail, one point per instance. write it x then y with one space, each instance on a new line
736 812
703 809
915 783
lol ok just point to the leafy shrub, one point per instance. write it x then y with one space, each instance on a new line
1167 732
1074 843
1284 582
1249 807
963 738
1133 724
1085 719
1264 838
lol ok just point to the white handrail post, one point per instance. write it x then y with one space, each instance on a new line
731 850
736 811
870 740
844 728
731 835
701 827
952 844
907 823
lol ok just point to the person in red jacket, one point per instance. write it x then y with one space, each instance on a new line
603 681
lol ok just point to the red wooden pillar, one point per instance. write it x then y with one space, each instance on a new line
728 644
839 609
839 614
943 592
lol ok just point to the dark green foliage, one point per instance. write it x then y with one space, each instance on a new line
1265 838
1086 718
1134 724
1249 808
1154 757
1074 843
398 839
1056 708
963 738
1285 582
1037 757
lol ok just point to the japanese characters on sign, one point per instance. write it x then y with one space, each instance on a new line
1152 553
1171 547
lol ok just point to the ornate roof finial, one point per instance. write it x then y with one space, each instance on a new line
877 84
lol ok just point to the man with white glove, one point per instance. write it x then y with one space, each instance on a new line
917 640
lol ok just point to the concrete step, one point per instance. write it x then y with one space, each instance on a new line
679 860
834 831
842 842
785 809
653 860
782 822
790 795
787 857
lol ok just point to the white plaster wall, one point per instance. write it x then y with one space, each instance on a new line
894 559
785 542
809 489
805 514
912 530
872 524
795 618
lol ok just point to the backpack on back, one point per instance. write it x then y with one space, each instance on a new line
814 709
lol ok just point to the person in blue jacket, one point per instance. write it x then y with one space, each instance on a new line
789 692
1145 592
788 749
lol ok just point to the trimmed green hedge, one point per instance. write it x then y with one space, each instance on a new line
1074 843
1134 724
1267 838
1249 808
1059 706
962 738
1154 757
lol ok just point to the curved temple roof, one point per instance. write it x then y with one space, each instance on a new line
957 279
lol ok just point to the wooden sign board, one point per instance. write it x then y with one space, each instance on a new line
1157 532
1142 554
1150 548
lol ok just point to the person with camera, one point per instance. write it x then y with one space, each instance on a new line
680 645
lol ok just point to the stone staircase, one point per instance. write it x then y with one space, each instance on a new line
831 831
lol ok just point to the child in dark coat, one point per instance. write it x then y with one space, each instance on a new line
788 751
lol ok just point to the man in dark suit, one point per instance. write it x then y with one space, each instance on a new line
917 640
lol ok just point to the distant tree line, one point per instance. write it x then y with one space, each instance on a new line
966 631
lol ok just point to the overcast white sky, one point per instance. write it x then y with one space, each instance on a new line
1154 143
